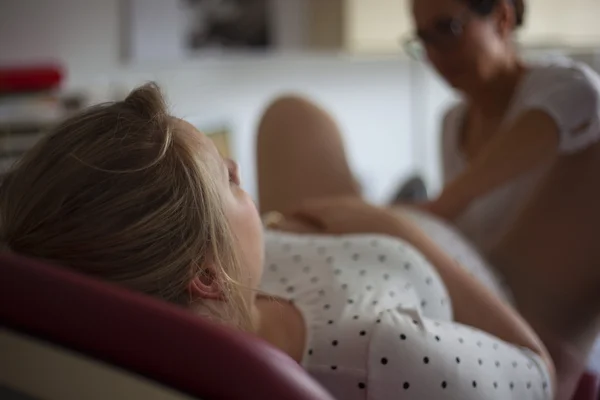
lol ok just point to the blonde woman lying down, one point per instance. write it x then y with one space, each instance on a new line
126 193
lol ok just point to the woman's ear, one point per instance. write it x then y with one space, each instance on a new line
206 285
507 18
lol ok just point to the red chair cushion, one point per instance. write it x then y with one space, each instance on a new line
587 389
144 335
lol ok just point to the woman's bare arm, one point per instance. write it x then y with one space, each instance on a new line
531 141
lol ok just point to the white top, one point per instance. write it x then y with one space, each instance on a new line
569 92
379 324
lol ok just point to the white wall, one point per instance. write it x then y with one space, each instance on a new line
85 32
558 22
371 99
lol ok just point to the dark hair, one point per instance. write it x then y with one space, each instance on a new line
486 7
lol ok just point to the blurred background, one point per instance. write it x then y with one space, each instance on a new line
221 61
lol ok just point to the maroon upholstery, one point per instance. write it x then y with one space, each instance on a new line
146 336
587 389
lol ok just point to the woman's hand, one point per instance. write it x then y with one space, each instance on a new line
349 215
452 202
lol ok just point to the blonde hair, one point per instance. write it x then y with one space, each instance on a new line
118 193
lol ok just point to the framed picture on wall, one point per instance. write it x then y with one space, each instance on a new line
236 24
219 131
175 29
221 137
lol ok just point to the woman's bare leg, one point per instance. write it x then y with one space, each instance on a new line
300 156
551 260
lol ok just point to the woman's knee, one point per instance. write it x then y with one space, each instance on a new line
292 114
288 105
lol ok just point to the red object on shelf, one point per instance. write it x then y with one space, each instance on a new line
30 79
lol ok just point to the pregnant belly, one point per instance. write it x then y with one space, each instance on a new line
460 249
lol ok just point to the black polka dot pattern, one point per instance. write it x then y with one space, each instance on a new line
361 293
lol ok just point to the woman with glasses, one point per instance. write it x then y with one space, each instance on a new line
515 118
520 160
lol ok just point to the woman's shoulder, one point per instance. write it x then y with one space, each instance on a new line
569 92
552 73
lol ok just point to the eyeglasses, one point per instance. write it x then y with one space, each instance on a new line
444 36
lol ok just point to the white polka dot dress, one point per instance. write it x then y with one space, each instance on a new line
379 324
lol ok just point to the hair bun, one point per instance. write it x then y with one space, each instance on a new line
146 101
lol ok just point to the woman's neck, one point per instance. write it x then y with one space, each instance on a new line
282 325
494 96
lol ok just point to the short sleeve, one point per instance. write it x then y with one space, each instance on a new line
424 359
570 95
452 162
